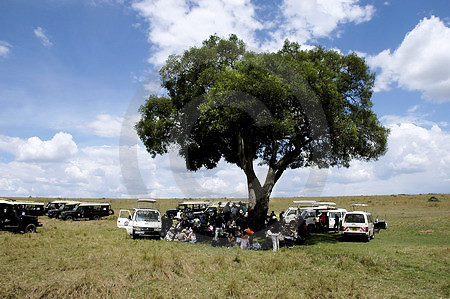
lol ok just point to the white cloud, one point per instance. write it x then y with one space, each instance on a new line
305 20
421 62
43 38
417 161
61 147
106 125
319 18
176 25
415 149
110 126
10 144
5 48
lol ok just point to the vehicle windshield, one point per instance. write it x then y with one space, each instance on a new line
147 216
355 218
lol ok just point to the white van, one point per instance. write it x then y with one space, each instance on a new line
358 224
292 215
143 222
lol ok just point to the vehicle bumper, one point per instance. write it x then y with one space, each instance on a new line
147 232
355 234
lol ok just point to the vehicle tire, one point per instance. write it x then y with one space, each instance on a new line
133 236
68 218
292 223
367 238
31 228
96 217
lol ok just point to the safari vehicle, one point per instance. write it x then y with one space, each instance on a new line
31 208
293 214
13 218
358 224
213 207
61 206
143 221
307 209
196 207
86 210
331 216
55 204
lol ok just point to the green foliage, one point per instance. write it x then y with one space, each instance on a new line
221 94
289 109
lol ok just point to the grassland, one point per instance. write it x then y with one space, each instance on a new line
95 259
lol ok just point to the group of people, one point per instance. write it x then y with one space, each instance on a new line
228 225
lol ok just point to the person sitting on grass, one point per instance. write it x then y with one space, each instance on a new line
192 237
245 242
170 234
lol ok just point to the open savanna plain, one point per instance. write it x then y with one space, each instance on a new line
89 259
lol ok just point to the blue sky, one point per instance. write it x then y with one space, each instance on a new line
72 74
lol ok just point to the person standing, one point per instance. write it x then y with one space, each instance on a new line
336 222
274 234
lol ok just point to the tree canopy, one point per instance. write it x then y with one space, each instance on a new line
288 109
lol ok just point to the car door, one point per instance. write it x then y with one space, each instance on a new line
124 219
331 219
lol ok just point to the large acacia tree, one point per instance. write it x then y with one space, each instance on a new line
289 109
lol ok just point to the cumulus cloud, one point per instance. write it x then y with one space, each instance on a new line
308 19
421 62
5 48
106 125
43 38
175 25
61 147
110 126
415 149
417 161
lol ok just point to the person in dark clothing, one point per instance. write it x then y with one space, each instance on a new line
336 226
227 212
281 216
166 223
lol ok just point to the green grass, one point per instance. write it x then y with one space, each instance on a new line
95 259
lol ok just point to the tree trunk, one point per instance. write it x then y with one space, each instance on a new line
259 197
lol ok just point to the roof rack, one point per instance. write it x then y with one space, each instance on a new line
146 200
359 205
325 203
151 202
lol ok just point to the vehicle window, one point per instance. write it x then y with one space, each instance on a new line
124 214
147 216
291 212
355 218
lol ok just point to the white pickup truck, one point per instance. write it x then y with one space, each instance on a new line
142 222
